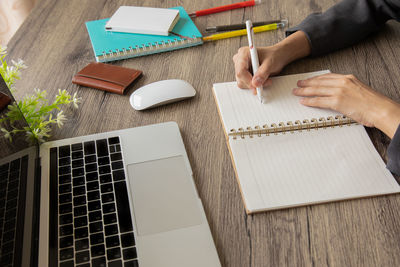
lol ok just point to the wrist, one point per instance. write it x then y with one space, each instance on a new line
293 47
387 119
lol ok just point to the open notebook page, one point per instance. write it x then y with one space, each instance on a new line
240 108
308 167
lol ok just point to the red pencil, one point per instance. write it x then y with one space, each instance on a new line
224 8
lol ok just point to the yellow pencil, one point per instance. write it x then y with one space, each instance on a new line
231 34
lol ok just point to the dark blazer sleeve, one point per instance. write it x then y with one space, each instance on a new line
393 153
346 23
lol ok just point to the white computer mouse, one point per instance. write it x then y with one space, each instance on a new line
161 93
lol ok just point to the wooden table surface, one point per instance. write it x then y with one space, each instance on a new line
55 45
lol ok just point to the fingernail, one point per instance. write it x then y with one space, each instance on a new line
300 82
295 90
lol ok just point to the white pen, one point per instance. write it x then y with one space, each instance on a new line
253 55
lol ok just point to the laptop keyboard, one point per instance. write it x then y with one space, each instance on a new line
94 219
12 191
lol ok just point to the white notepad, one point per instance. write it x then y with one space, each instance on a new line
286 154
143 20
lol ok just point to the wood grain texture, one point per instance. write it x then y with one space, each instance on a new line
54 43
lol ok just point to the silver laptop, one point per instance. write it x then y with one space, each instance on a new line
122 198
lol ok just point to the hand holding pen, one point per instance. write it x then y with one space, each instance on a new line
254 56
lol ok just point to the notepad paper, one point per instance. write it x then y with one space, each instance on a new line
143 20
296 168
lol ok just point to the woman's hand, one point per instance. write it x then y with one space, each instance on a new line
347 95
272 60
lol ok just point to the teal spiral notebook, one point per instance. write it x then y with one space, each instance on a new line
109 46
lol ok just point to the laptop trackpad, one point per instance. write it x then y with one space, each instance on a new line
163 196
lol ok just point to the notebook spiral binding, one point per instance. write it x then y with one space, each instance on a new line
283 128
147 49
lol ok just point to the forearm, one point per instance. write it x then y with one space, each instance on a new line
293 47
386 116
346 23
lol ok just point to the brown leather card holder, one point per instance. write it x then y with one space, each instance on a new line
4 101
110 78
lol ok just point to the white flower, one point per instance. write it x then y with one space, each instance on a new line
60 119
3 50
7 134
76 100
20 64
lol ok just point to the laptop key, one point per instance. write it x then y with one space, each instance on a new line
102 148
79 211
113 253
127 240
111 229
99 262
64 161
103 161
64 151
113 140
94 216
96 239
104 169
129 253
77 146
79 190
107 197
81 257
81 232
65 219
93 195
94 205
89 148
106 178
64 170
67 263
65 208
81 200
81 244
65 188
92 176
116 156
92 185
117 263
66 254
78 181
124 213
77 155
95 227
98 250
110 218
133 263
67 241
117 165
80 221
65 198
107 208
112 241
66 230
78 172
90 159
91 167
119 175
77 163
106 188
63 179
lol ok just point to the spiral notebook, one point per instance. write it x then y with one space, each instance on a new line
110 46
286 154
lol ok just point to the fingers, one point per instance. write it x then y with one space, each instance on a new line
328 80
242 64
261 76
314 91
318 102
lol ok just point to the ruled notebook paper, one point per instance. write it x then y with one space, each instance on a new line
299 168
